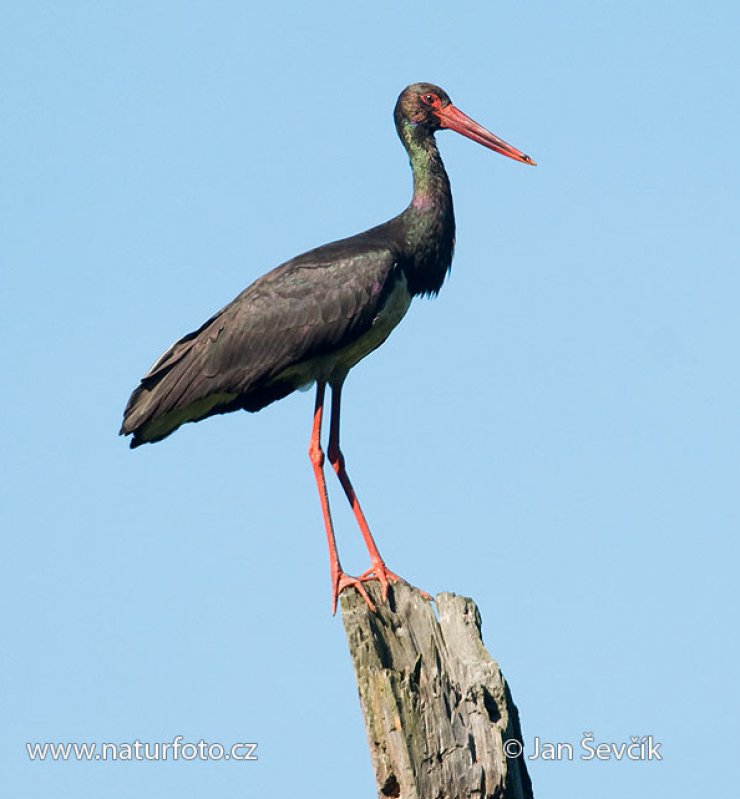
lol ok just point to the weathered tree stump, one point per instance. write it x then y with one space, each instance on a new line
437 710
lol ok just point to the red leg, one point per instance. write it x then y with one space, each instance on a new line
339 580
378 570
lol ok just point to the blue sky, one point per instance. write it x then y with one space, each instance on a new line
556 435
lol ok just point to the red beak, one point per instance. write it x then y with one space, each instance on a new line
454 119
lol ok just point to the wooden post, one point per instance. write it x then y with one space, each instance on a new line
437 710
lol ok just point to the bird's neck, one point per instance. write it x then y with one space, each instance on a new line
429 222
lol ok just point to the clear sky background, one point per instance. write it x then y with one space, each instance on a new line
557 435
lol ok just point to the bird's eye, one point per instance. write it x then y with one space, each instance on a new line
430 99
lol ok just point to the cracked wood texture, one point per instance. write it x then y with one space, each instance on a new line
437 708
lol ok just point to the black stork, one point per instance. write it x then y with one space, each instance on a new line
313 318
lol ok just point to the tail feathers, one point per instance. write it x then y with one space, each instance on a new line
180 388
235 360
174 391
158 424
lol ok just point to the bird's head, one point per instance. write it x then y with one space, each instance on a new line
427 108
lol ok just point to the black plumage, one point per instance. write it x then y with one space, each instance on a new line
303 311
306 309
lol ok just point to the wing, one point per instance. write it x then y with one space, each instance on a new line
310 307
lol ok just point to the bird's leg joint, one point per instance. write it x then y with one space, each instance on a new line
336 458
316 454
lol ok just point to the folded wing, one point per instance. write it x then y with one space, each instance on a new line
246 356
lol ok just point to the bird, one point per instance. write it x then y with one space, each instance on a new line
313 318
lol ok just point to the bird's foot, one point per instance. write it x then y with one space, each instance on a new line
380 572
340 581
